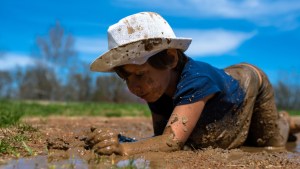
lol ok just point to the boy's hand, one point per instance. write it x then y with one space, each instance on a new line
103 141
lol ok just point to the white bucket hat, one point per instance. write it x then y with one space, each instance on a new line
136 38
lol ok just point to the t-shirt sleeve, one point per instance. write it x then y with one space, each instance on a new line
194 88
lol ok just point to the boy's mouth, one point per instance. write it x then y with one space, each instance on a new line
143 96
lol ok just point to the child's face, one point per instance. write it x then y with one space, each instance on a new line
147 82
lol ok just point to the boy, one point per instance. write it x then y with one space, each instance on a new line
192 103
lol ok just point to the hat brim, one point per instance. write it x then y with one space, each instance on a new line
137 52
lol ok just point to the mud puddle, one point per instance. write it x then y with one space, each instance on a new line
149 160
40 162
71 154
290 147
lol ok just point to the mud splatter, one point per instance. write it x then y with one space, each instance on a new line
184 120
168 40
191 98
174 119
170 141
130 30
151 43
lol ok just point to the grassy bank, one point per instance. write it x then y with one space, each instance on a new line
294 112
14 134
12 111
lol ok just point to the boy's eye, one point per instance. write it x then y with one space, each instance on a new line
140 74
122 74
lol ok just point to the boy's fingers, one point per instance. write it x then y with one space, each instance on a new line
91 136
106 143
97 137
105 131
106 150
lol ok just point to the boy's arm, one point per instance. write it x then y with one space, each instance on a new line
179 127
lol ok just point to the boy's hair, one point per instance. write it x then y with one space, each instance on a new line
160 61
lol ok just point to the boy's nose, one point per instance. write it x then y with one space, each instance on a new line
135 88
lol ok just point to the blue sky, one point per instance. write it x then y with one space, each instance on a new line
224 32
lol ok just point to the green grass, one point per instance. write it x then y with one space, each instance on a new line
294 112
13 139
12 111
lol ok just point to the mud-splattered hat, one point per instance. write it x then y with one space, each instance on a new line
136 38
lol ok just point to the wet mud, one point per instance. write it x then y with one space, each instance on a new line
58 144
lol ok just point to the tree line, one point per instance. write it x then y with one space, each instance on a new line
59 75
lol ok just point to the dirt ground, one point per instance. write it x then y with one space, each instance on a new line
57 144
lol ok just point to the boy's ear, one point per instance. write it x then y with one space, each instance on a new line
174 55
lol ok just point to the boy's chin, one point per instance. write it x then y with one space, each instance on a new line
150 99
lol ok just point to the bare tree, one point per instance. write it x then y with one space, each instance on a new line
287 92
58 53
57 48
5 81
111 88
283 95
57 61
79 87
39 83
5 84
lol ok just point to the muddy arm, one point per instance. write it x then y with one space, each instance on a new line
107 141
154 144
179 127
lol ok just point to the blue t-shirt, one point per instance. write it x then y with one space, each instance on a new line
198 80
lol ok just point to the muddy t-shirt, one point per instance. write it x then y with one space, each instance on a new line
198 80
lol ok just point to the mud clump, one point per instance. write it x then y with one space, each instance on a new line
57 144
151 43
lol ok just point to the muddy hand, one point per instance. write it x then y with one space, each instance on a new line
103 141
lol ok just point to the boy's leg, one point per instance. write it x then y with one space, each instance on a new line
231 130
268 127
294 125
234 128
250 83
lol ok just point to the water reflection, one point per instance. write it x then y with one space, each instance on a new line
293 146
42 162
135 163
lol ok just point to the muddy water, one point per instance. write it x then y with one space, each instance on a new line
77 157
144 161
42 162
